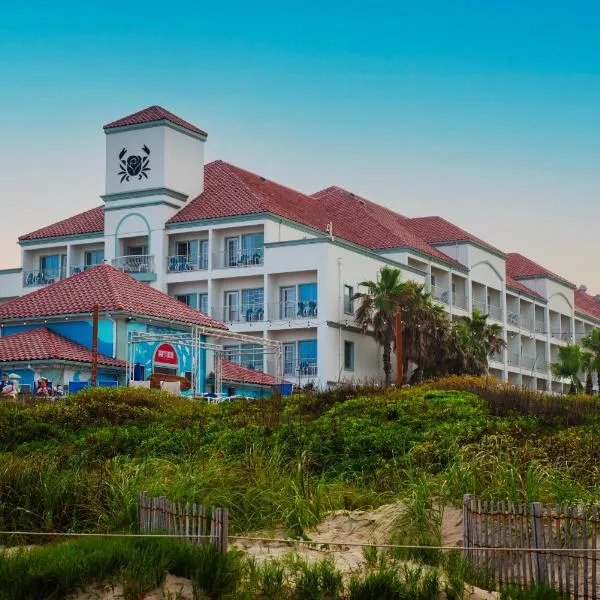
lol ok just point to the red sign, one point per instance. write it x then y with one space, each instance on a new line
165 355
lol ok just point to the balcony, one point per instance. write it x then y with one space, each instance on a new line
302 368
440 294
480 305
494 312
527 323
528 362
45 277
540 326
245 258
513 319
239 314
513 359
459 301
541 365
293 310
181 263
497 357
140 266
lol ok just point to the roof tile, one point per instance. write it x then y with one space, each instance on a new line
43 344
587 304
90 221
521 267
109 289
234 372
152 114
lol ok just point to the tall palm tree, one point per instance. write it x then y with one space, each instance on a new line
568 366
589 368
480 340
377 311
591 342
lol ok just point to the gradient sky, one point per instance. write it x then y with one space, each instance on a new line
485 113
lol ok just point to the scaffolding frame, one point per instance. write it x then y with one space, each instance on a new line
193 339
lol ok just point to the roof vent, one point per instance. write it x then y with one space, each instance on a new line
329 229
262 178
582 288
598 298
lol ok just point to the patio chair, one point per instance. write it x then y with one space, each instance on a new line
249 315
301 309
30 279
312 309
173 264
259 314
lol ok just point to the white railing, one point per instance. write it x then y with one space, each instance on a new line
541 365
527 323
244 258
495 312
528 362
78 269
540 326
440 294
44 277
513 359
181 263
460 301
497 357
300 368
239 314
480 305
135 263
512 318
293 310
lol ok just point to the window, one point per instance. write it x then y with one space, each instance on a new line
232 251
93 257
298 301
53 267
289 358
203 303
231 311
137 250
232 354
307 357
433 281
189 299
348 300
252 356
349 356
287 300
253 241
253 304
165 371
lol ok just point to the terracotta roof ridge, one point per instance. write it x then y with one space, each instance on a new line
115 290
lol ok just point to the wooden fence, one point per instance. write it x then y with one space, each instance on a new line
549 544
193 522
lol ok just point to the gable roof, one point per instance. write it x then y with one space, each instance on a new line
587 304
108 288
153 114
518 286
89 221
437 230
234 372
521 267
232 191
43 344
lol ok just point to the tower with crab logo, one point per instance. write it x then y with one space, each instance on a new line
154 166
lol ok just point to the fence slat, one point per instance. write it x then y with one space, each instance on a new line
575 546
586 556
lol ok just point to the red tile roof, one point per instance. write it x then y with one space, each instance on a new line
108 288
587 304
43 344
521 267
231 191
517 285
436 229
152 114
234 372
90 221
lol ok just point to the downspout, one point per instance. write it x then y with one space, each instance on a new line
339 264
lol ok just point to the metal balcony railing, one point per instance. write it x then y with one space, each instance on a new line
541 365
300 368
181 263
497 357
480 305
135 263
44 277
304 309
440 294
513 319
494 312
540 326
527 323
528 362
460 301
513 359
239 314
244 258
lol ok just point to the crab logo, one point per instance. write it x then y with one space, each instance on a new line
134 165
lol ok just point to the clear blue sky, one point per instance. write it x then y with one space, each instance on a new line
486 113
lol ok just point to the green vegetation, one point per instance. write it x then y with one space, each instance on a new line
80 464
432 341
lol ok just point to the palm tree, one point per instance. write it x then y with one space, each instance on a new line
479 340
377 311
589 368
568 366
591 342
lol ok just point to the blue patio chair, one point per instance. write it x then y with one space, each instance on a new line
256 258
39 279
259 314
244 259
29 280
249 315
301 309
312 309
173 264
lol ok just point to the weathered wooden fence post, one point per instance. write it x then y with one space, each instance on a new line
466 528
537 527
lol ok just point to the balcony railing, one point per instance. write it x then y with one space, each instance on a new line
541 365
513 359
540 326
300 368
293 310
527 323
440 294
244 258
513 319
135 263
494 312
460 301
239 314
497 357
528 362
180 263
44 277
480 305
74 270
